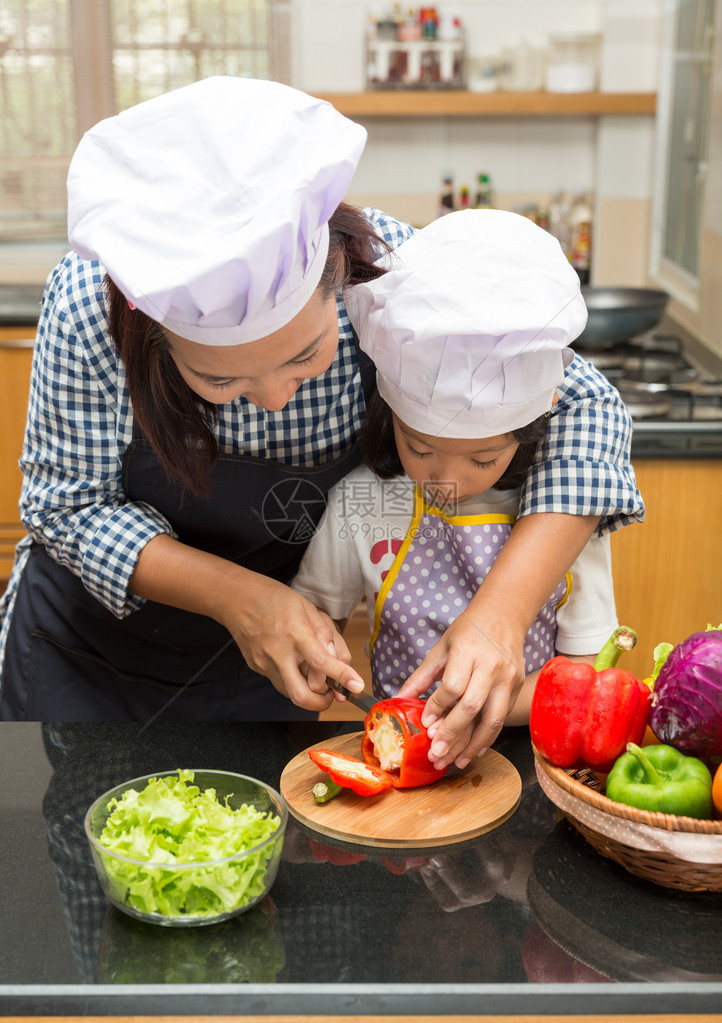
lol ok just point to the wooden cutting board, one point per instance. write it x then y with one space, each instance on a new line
453 809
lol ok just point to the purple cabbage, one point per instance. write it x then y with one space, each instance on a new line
687 699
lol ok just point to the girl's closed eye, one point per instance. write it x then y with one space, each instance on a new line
417 454
484 465
214 385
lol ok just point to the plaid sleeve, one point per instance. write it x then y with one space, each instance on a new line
585 468
393 231
79 423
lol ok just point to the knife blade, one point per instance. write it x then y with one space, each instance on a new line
363 700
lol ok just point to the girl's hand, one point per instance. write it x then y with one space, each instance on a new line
481 674
284 637
480 658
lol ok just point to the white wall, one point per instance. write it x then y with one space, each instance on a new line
527 158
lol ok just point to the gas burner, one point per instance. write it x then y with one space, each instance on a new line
646 405
655 360
662 343
663 389
706 402
656 379
701 405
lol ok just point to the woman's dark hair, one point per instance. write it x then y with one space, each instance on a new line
174 419
378 445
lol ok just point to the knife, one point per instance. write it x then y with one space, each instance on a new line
363 700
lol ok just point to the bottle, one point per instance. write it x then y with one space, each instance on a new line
581 238
483 193
410 28
464 198
560 224
429 22
446 202
451 49
555 212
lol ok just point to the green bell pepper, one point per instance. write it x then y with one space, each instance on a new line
662 779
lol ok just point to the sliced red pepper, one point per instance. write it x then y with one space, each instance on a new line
395 740
350 772
401 866
583 714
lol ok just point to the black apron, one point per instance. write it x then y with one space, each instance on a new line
70 659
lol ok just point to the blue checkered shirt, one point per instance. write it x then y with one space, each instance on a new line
80 422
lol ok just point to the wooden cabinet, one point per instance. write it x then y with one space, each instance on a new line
668 571
16 350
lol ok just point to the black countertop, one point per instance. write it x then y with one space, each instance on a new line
526 919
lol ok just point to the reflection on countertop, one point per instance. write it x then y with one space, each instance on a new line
527 917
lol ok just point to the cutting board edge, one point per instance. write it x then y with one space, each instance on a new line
406 844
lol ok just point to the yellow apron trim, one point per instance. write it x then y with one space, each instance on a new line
398 561
567 592
474 520
422 507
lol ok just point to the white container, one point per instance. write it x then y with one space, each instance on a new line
483 74
573 61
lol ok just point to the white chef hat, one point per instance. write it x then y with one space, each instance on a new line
209 206
470 327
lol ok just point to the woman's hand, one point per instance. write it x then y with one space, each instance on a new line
294 644
280 634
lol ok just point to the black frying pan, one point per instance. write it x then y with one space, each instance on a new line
617 314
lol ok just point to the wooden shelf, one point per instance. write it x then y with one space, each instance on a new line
430 103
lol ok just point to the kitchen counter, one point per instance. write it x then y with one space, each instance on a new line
527 919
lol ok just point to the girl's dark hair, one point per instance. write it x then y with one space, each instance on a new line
380 454
174 419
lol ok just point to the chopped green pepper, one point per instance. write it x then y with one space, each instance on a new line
325 790
660 778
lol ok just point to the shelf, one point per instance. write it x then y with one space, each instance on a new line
450 103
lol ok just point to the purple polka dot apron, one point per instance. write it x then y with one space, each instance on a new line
438 569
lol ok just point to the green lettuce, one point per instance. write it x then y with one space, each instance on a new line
171 822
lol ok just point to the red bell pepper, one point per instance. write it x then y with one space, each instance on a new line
394 747
583 714
396 741
350 772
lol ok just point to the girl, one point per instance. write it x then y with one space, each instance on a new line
469 331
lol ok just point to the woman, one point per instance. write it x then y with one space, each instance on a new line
196 391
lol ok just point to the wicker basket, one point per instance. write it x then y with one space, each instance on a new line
675 852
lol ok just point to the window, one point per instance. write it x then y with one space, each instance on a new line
66 64
683 145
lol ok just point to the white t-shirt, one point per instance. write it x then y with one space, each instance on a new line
367 519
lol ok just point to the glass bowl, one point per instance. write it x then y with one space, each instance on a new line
186 894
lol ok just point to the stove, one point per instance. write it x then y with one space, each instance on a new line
674 397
